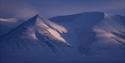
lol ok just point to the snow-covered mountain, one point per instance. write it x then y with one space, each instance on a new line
89 25
36 30
80 27
95 33
93 36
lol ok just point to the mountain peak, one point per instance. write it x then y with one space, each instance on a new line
27 32
31 21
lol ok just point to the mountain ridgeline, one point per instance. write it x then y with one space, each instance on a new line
33 31
84 37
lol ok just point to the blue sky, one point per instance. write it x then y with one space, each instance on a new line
50 8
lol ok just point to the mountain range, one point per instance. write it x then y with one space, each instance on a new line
88 37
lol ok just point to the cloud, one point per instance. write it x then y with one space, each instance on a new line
5 21
49 8
66 7
16 8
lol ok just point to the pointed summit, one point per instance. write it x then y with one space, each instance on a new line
31 21
24 30
28 31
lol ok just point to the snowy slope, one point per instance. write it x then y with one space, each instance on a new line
86 33
33 31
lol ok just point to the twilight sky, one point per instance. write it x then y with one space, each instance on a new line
49 8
